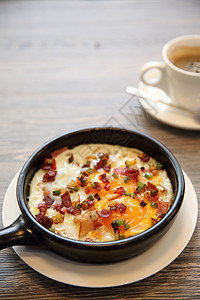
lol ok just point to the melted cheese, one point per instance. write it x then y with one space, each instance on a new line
137 217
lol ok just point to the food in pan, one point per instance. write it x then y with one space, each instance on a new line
100 192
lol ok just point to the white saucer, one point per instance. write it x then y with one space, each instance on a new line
165 114
142 266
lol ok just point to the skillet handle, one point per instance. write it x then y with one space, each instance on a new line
18 233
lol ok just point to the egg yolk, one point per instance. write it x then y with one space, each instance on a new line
136 217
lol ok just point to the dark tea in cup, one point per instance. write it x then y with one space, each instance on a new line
187 58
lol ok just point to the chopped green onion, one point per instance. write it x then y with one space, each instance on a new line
140 186
153 204
148 175
74 188
134 195
115 175
56 193
119 222
143 204
153 192
127 179
90 197
90 170
128 194
97 196
88 163
78 205
84 182
116 224
126 225
121 237
159 166
93 185
52 230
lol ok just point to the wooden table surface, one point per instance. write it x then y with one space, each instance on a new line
65 65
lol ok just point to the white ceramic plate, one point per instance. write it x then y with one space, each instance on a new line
142 266
165 114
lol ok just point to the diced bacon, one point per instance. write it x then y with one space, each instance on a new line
86 204
88 240
106 156
127 171
57 152
162 207
154 221
57 206
131 171
97 224
107 187
49 164
107 168
47 222
120 191
120 171
121 207
144 157
152 188
66 200
73 210
71 159
63 210
42 207
90 203
49 176
97 186
156 197
100 164
105 213
48 201
87 191
103 178
87 164
39 217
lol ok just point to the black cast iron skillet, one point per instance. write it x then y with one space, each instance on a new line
27 231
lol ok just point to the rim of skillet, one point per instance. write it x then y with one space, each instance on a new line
179 195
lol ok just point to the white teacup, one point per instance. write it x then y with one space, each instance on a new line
182 86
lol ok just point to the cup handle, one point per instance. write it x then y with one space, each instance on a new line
159 80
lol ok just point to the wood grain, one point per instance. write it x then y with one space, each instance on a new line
65 65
